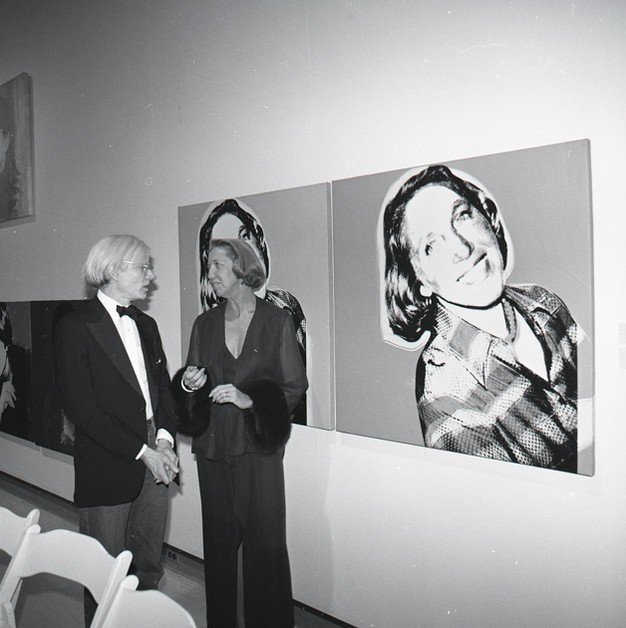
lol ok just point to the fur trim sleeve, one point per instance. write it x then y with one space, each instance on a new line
194 408
268 421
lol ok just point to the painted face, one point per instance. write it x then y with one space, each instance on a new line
229 226
455 253
221 276
134 278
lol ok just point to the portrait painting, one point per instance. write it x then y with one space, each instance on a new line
288 230
15 370
16 151
464 306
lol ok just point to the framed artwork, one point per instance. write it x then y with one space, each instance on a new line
464 306
51 428
15 370
16 151
289 231
29 403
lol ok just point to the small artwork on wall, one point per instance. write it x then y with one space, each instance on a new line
464 316
16 151
288 229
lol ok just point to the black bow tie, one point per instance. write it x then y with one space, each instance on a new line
131 311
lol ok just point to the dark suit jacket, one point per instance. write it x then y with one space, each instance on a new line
101 396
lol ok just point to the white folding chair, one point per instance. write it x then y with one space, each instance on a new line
12 527
67 554
7 616
145 609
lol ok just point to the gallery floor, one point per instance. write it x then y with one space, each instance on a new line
55 603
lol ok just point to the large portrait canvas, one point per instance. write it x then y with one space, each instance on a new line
16 151
464 302
289 231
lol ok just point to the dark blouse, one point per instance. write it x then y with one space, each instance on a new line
269 352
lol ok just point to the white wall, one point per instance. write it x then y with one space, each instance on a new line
141 107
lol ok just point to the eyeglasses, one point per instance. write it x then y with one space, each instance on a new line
145 268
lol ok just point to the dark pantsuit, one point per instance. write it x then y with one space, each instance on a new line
243 502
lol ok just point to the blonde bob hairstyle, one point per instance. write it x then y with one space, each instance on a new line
107 255
246 263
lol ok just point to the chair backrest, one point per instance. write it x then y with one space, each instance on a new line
70 555
13 532
7 615
12 527
145 609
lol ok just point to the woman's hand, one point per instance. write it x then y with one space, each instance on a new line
194 378
227 393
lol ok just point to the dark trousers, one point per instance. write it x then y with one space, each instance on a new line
138 526
243 502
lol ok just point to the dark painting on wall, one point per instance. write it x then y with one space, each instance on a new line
464 302
15 370
29 403
16 151
51 429
289 231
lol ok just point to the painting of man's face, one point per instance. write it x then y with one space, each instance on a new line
435 239
229 226
455 252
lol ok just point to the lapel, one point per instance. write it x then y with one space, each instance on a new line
104 331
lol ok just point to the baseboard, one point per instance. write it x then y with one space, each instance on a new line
327 618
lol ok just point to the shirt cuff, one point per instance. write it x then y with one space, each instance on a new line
165 435
185 388
141 452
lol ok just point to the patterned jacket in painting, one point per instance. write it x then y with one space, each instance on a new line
474 397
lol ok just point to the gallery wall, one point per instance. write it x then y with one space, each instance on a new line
142 107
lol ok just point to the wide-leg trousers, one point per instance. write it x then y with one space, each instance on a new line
243 503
